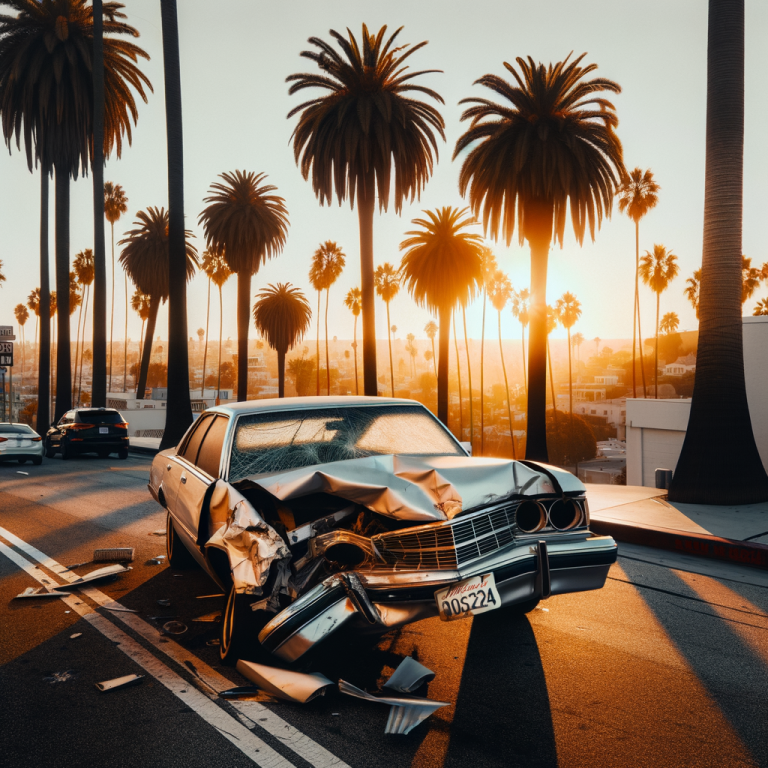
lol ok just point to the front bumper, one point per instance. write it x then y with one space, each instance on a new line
378 600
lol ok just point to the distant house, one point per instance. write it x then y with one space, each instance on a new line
681 366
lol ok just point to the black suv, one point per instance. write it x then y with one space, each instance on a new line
88 430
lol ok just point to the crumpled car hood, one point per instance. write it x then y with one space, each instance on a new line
426 489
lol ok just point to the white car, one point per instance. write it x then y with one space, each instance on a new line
21 443
364 513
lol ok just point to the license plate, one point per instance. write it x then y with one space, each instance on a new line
468 598
103 430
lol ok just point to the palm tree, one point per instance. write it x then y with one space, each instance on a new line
282 315
115 205
553 318
637 195
327 264
550 146
354 303
691 291
33 303
761 308
669 323
441 268
431 330
521 302
248 225
578 340
657 271
469 372
387 282
732 474
458 377
49 105
750 279
500 292
489 268
22 315
145 259
140 303
568 309
367 128
85 271
217 271
412 351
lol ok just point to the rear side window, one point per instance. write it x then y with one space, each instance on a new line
209 457
16 429
192 445
100 417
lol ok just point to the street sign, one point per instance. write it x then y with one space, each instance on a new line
6 333
6 353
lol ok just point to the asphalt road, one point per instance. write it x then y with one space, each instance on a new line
665 666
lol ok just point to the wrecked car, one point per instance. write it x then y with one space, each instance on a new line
317 514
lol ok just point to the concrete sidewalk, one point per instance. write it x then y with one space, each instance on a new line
640 515
145 445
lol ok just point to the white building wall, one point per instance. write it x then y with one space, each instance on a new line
756 375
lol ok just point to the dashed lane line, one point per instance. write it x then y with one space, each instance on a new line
230 728
251 713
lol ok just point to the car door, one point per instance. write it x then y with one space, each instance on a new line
176 465
200 474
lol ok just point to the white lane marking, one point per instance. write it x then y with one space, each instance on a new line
232 730
251 713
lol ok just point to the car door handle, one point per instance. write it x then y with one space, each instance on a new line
183 478
168 467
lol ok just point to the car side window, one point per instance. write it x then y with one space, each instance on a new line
190 449
209 457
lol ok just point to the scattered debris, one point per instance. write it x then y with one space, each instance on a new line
76 635
164 601
205 597
39 592
19 472
60 677
283 683
159 557
119 682
113 553
236 693
162 618
209 617
214 642
175 628
98 575
405 712
77 565
67 611
409 676
120 608
163 532
261 605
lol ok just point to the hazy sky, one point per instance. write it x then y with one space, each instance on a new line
234 62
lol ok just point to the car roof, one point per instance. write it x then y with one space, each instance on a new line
13 424
306 403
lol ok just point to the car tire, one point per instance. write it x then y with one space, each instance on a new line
37 461
178 555
66 452
122 454
50 451
237 627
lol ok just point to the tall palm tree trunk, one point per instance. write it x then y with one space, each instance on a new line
570 399
82 351
125 337
77 340
525 373
389 338
442 367
43 321
179 409
221 333
458 374
552 383
327 361
656 352
637 304
205 352
99 363
111 310
243 321
317 343
506 391
154 305
63 350
281 373
732 474
434 358
365 208
536 443
357 382
634 310
141 343
469 375
482 392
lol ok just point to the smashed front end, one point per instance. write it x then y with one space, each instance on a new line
369 543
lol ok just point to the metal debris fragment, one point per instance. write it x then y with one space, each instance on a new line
98 575
76 635
283 683
163 532
119 608
39 592
409 676
60 677
175 628
119 682
204 597
260 605
405 712
209 618
164 601
19 472
214 642
237 693
113 553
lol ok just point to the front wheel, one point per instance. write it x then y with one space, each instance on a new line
37 461
238 625
66 452
49 450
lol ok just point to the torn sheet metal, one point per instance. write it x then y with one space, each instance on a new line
250 543
415 488
283 683
405 712
98 575
39 592
119 682
409 676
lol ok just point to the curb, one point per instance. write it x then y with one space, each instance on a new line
143 451
753 555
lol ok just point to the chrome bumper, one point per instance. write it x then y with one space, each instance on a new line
378 600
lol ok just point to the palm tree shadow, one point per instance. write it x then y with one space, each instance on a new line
502 711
